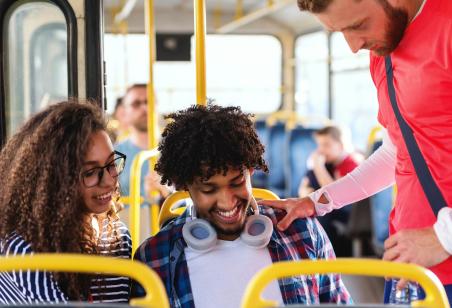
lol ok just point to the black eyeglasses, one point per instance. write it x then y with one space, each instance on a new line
93 177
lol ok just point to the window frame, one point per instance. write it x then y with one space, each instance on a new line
7 7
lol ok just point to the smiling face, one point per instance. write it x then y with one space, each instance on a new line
99 198
223 201
375 25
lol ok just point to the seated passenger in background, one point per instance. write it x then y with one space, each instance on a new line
332 160
135 107
211 152
58 192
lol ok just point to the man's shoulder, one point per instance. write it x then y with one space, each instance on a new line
126 146
159 246
123 143
298 225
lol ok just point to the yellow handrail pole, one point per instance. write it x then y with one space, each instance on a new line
152 112
200 39
147 278
238 9
135 195
435 295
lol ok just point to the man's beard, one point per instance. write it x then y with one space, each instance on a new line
395 28
141 126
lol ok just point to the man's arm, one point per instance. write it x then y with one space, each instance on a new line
373 175
426 247
321 173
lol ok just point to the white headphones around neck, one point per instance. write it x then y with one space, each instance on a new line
201 236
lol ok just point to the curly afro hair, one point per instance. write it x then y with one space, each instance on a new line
203 141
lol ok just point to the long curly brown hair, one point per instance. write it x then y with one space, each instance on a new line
40 198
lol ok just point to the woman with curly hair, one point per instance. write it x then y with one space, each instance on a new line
58 194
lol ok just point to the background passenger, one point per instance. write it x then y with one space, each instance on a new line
332 160
211 152
58 192
118 122
136 115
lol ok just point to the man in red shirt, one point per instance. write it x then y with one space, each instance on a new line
417 36
332 160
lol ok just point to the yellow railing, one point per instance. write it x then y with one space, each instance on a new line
242 20
200 42
135 198
167 212
435 295
147 278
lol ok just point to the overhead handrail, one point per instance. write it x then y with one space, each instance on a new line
144 275
271 6
435 295
167 211
200 42
135 198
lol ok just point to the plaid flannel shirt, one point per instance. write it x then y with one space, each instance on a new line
304 239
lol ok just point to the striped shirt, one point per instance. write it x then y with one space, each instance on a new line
34 287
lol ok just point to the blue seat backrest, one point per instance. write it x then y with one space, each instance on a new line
301 144
276 159
259 179
381 205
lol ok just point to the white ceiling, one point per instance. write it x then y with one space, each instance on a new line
166 12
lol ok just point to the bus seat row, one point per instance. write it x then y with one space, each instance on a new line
287 149
156 294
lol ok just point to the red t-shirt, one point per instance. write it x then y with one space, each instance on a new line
346 166
422 65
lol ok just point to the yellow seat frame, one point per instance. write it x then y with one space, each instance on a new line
149 280
435 295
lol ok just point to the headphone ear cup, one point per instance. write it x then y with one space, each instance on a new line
258 231
199 235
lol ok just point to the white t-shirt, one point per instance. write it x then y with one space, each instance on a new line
219 277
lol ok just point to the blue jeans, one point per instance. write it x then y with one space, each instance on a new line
421 293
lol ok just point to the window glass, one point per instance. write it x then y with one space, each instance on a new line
36 40
354 94
311 88
241 70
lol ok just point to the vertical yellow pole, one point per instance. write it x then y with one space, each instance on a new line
238 9
152 113
200 38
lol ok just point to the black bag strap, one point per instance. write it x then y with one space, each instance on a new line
431 190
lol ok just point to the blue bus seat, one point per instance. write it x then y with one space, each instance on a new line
276 153
301 143
380 205
260 178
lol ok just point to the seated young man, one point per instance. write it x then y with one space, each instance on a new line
333 159
211 152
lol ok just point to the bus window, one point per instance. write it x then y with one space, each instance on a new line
242 70
355 102
311 88
36 60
